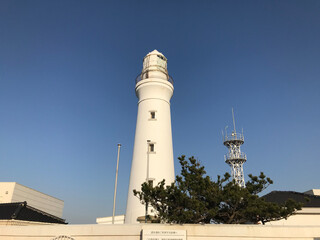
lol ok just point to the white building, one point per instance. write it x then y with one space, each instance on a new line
119 219
309 214
152 159
11 192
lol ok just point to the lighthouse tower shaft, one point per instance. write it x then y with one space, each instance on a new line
152 159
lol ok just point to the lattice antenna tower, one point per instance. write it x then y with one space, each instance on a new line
235 158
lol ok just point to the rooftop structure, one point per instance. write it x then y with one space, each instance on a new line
20 213
308 200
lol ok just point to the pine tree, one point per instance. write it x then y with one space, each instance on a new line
195 198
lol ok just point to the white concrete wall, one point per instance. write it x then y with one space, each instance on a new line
108 220
133 232
34 198
6 191
14 222
304 217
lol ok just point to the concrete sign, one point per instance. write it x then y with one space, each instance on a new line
164 235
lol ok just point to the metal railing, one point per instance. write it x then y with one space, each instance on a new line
229 156
139 77
233 136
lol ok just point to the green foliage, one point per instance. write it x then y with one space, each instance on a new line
195 198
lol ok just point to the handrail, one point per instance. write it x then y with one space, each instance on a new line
229 156
234 136
139 78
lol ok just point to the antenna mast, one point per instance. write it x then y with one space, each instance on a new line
234 123
235 158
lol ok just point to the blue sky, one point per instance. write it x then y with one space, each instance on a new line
67 71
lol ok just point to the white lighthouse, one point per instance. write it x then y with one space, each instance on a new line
152 159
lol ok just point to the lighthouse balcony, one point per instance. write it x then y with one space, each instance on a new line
154 74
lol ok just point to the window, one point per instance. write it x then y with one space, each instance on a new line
150 183
151 147
159 56
152 115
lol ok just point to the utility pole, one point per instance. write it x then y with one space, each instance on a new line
115 185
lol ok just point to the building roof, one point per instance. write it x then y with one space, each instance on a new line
313 192
282 196
21 211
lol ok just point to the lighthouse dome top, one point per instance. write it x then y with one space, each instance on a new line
157 53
